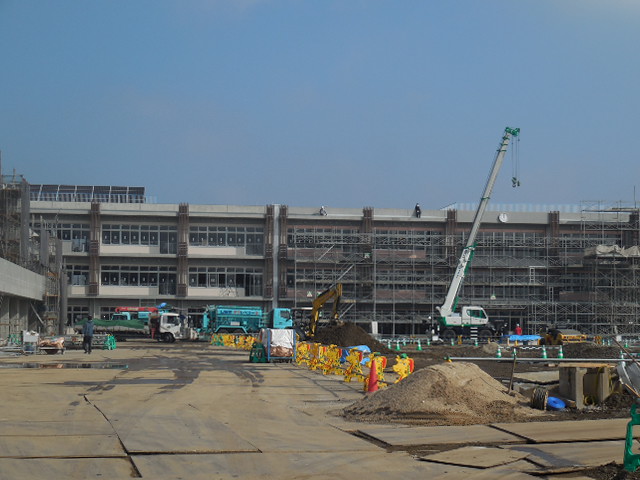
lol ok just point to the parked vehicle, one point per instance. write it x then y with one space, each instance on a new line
561 336
238 319
138 322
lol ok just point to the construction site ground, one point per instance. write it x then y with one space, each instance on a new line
196 411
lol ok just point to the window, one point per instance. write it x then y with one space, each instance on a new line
227 277
135 234
251 238
77 274
136 276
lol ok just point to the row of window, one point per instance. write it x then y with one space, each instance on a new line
250 279
64 231
134 275
138 234
135 234
226 236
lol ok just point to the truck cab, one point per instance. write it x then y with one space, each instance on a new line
167 325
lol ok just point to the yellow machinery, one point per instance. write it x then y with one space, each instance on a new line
556 336
333 292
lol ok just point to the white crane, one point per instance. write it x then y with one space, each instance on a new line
454 323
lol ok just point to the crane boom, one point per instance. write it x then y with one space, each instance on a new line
449 304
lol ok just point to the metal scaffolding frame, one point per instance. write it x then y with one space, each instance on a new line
537 278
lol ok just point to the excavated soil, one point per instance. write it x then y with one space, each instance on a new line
349 335
465 392
610 471
445 394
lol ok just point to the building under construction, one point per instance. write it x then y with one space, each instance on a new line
555 266
31 268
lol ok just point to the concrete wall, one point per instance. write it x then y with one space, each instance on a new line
20 282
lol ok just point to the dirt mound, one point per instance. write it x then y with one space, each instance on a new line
348 335
610 471
444 394
590 350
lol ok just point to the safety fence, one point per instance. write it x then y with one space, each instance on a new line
352 363
349 362
243 342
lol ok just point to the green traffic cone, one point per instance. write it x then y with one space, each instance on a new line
544 351
419 347
560 352
397 345
499 352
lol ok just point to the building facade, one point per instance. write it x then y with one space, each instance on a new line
576 269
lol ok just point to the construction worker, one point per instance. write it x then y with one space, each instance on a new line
87 332
518 329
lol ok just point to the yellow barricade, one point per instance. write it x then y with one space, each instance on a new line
353 366
303 353
331 360
404 367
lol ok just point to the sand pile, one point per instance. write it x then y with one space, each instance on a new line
444 394
348 335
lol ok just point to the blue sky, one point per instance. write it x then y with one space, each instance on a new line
342 103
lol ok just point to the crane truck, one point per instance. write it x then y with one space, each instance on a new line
137 322
472 320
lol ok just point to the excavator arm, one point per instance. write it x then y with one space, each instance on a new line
320 300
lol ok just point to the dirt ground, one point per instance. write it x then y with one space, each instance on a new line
464 392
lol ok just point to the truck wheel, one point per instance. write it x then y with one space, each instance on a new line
223 331
167 337
448 335
484 336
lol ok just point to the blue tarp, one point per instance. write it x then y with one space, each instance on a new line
522 338
363 348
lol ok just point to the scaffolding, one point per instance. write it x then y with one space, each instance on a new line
34 251
13 234
539 276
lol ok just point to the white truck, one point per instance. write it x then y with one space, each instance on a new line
472 320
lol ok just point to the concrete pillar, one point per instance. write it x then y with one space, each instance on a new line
572 384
